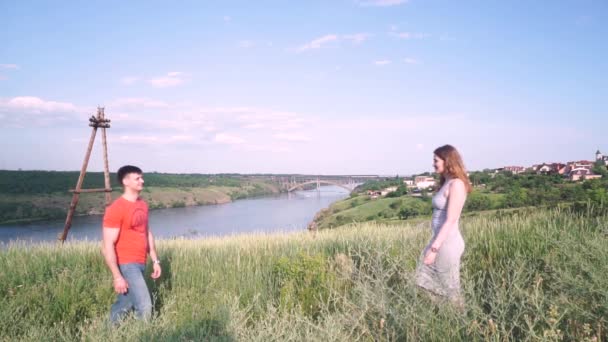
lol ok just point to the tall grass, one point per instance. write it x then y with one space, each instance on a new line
528 275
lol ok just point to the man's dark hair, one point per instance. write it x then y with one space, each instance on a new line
125 170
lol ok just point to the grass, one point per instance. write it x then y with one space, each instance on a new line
361 208
527 275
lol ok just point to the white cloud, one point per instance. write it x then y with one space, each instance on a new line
274 148
382 3
357 38
138 139
2 78
129 80
227 19
9 66
382 62
411 61
245 44
410 35
136 103
291 137
30 111
223 138
171 80
445 37
36 105
154 140
317 43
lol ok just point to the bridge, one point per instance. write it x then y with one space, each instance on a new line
303 182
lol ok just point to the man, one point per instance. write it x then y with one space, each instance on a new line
127 240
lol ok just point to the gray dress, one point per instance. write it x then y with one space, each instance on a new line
443 276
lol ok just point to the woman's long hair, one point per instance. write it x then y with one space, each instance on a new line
453 165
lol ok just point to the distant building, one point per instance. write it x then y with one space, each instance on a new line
513 169
373 194
388 190
544 168
582 174
408 182
552 168
600 156
424 182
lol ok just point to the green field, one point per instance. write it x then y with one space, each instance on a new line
527 275
502 191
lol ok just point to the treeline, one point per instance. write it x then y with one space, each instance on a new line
44 182
506 190
492 191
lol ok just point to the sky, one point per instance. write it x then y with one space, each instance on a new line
312 87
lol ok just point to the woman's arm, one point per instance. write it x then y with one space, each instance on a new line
456 197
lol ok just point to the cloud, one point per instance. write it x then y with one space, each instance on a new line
382 62
30 111
2 78
357 38
227 19
129 80
381 3
245 44
9 66
410 35
411 61
34 104
136 103
172 79
154 140
317 43
227 139
291 137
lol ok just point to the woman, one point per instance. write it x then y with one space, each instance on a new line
439 271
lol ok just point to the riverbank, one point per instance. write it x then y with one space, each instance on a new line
23 208
541 274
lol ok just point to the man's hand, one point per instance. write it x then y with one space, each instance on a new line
429 258
120 285
156 271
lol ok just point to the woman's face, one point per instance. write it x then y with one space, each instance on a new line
438 164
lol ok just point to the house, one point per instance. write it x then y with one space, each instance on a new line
600 156
545 168
409 182
373 194
576 166
424 182
513 169
388 190
582 174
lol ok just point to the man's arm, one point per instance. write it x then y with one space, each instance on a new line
110 236
155 261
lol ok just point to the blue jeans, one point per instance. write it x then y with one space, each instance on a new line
137 296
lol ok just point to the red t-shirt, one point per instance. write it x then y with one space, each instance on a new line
132 220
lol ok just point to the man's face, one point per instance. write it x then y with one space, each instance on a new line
134 181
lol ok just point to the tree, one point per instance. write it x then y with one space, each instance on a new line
600 168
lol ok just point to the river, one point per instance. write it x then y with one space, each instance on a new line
281 213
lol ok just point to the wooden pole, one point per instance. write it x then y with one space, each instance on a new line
83 170
98 121
106 168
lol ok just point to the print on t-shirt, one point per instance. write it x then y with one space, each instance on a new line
138 220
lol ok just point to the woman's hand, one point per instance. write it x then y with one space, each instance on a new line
429 258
